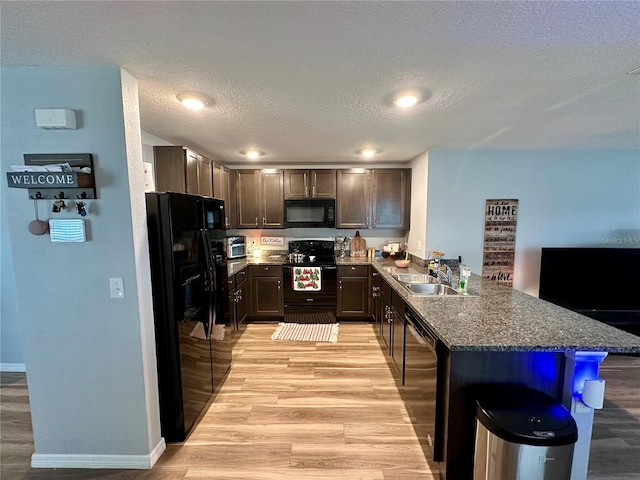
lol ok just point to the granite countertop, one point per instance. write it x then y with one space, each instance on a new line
492 317
237 264
498 318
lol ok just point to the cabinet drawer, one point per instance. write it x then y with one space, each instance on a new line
266 270
353 270
398 303
386 289
240 277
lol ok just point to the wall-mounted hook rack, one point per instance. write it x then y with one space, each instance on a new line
78 183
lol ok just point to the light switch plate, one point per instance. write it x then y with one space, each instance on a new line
116 287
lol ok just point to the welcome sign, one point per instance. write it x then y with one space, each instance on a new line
42 179
500 220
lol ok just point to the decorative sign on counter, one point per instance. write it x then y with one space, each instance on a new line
272 241
500 219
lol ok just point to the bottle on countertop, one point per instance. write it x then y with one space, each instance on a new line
465 273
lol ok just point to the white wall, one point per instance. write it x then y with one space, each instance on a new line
89 359
417 238
11 356
566 198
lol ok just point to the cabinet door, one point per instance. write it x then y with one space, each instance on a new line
205 177
242 309
169 168
296 184
247 191
352 203
376 300
230 203
385 306
192 172
323 183
272 199
267 297
219 188
397 343
389 198
353 292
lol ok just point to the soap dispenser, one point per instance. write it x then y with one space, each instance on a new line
465 273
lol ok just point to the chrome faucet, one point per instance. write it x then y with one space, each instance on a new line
444 277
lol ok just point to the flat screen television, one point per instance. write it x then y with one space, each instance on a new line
591 279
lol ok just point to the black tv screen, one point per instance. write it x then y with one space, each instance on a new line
591 278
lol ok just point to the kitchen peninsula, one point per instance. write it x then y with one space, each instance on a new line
499 335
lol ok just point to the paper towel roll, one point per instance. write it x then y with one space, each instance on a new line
593 393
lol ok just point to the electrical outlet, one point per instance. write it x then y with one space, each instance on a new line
419 248
116 287
579 407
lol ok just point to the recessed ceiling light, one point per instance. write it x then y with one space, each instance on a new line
368 152
252 153
406 101
193 101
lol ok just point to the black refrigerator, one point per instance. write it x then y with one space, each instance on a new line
180 228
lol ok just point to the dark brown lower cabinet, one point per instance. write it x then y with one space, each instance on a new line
385 308
240 299
376 300
266 291
397 335
353 291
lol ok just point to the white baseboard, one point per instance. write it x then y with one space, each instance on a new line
139 462
13 367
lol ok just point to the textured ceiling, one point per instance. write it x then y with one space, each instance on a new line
311 82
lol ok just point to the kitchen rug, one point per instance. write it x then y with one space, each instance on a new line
310 317
308 332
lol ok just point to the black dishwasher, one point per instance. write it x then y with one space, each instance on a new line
420 381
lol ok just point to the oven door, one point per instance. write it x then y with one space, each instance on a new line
310 306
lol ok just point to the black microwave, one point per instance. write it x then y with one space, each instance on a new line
310 213
212 212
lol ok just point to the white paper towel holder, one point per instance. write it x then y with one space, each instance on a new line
593 393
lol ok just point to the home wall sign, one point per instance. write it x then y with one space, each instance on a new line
500 220
78 183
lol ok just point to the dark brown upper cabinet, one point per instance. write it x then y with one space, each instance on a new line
309 184
390 198
352 199
224 189
260 198
178 169
376 198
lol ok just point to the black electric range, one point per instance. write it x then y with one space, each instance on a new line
310 282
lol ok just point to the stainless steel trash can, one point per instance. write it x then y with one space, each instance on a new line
522 434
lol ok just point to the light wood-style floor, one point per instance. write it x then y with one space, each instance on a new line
304 410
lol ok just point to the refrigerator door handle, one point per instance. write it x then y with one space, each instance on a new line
210 269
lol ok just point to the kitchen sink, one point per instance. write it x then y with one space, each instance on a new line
430 289
414 278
